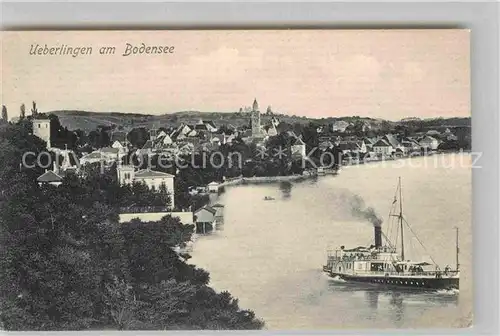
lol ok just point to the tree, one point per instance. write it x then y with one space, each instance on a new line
4 113
68 264
138 137
310 136
99 138
52 234
34 110
22 114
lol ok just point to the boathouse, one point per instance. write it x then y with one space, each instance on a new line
219 216
205 219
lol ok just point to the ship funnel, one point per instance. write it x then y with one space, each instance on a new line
378 236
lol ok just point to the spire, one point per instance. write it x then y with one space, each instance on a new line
255 106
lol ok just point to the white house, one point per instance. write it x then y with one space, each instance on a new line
104 155
153 179
117 149
191 134
93 157
298 147
219 209
410 146
185 149
210 126
117 144
362 147
391 140
161 134
215 140
433 133
166 140
368 143
180 132
272 131
383 148
349 147
213 187
429 142
230 138
339 126
113 153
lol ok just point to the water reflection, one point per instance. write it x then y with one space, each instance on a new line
286 189
394 301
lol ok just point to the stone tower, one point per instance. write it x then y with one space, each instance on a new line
255 119
41 129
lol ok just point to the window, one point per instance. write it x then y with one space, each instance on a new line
38 125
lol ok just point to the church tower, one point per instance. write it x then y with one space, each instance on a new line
153 133
255 119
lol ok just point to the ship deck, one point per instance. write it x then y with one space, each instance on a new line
409 275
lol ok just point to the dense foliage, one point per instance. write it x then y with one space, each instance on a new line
67 264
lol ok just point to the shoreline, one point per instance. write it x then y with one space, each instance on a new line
327 171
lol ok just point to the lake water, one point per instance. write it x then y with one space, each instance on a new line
270 253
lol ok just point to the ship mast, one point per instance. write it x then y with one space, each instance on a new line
401 220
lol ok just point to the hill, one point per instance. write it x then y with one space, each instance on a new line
87 120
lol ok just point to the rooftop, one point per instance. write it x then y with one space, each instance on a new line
148 173
49 176
93 155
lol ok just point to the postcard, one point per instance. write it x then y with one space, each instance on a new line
236 179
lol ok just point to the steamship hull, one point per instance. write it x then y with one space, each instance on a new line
416 282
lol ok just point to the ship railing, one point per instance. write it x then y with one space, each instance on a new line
442 274
351 258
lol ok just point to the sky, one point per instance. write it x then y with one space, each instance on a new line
389 74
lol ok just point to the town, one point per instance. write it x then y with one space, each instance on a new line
168 158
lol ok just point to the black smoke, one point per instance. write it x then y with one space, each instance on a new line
360 210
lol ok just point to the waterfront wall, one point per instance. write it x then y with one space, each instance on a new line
261 179
185 217
272 179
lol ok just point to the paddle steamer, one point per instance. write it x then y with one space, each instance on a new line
381 264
